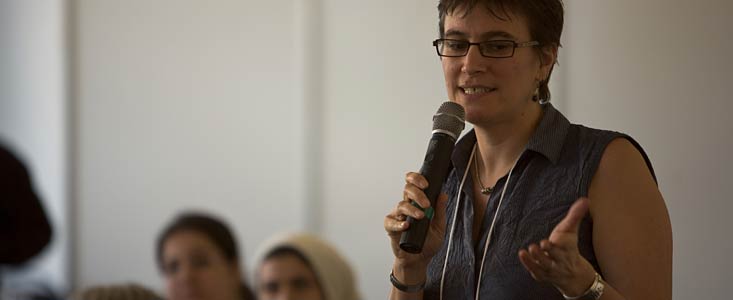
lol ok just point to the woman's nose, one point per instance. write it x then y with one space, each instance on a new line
473 61
185 274
287 293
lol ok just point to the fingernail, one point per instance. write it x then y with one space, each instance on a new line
429 212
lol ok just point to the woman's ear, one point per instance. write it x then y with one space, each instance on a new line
548 57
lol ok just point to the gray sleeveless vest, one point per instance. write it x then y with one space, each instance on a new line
555 170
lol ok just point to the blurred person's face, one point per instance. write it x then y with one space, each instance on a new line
491 89
287 277
194 268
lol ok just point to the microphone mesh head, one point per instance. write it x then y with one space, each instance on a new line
450 117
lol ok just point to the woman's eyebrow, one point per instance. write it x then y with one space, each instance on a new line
455 33
497 34
452 33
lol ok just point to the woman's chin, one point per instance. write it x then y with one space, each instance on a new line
477 117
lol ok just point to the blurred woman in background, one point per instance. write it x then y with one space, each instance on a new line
128 291
303 267
198 256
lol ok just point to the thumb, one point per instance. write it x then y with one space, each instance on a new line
571 222
441 208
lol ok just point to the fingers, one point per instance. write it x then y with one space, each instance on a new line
541 257
394 226
416 179
557 252
556 259
539 262
413 192
572 220
546 246
408 209
395 221
404 209
414 186
547 262
531 265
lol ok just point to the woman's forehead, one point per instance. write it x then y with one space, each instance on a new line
188 240
481 23
291 264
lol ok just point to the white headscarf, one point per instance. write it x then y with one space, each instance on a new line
331 268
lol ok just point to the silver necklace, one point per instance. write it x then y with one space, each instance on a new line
484 190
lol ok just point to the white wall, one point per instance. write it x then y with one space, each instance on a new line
182 104
176 108
383 83
660 71
33 121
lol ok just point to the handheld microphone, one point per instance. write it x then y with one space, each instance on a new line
448 123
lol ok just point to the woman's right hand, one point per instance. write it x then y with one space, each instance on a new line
395 223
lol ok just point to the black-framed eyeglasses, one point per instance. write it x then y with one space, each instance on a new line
493 48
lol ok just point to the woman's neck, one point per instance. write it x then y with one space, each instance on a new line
500 144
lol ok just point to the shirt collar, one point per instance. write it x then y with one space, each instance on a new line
548 139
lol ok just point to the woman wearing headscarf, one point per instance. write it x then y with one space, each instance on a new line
302 266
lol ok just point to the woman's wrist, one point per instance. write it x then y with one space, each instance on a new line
410 273
594 292
578 284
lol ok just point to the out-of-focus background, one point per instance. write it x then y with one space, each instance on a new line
305 115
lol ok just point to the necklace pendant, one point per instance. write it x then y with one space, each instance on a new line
487 190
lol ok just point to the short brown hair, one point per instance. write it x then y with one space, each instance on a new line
544 18
215 231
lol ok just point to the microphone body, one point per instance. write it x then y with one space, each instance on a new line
448 124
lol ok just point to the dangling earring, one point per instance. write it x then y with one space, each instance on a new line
544 101
536 95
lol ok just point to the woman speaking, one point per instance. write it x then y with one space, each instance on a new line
534 207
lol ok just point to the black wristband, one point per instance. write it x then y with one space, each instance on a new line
403 287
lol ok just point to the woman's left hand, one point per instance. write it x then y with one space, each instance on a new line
557 260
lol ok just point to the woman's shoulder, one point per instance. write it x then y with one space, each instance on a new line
591 147
596 142
584 134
